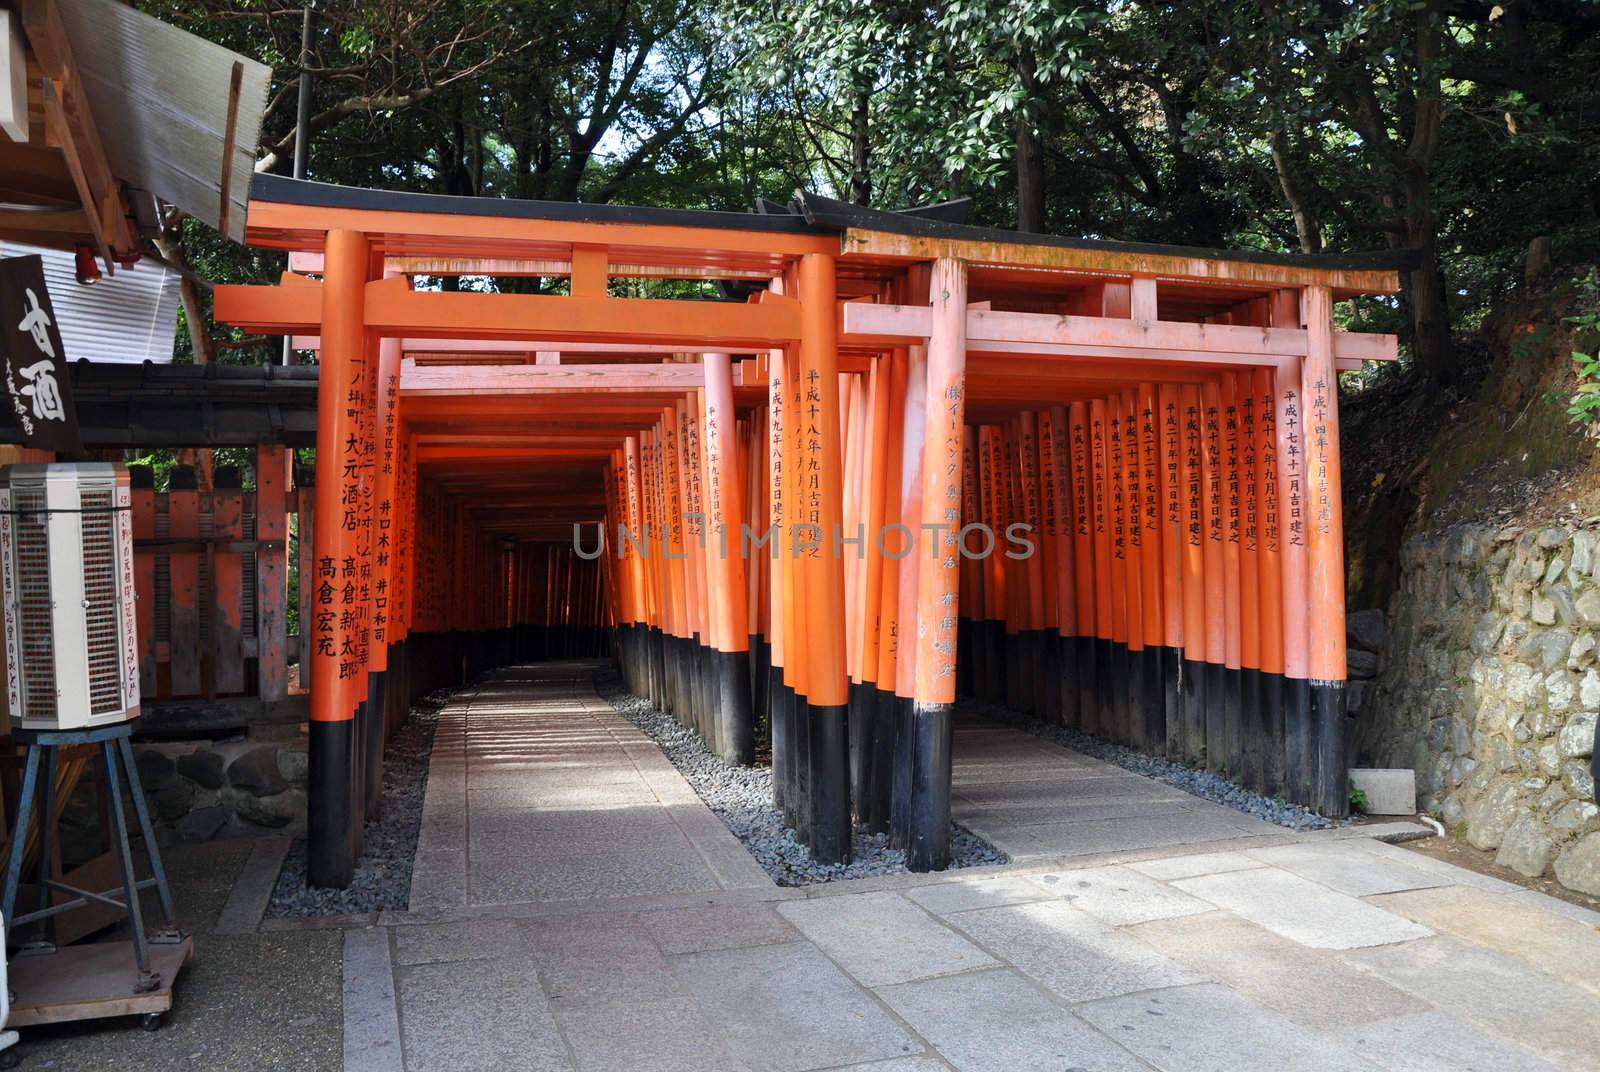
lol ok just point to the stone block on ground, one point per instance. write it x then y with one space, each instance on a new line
1302 911
1389 790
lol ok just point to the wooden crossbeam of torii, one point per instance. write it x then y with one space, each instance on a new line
1044 334
392 309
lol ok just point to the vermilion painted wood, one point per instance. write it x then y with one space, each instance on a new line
225 657
183 608
271 596
143 505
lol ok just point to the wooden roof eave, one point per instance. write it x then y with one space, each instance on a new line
1104 258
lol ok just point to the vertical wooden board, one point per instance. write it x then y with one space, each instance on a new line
305 524
272 592
183 517
1116 509
226 663
144 578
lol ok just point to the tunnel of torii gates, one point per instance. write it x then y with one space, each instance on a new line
888 394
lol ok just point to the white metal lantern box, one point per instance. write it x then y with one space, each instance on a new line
66 553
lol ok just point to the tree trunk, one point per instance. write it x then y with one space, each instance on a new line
1030 155
860 148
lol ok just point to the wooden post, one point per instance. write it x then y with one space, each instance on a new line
938 575
272 592
724 511
1326 655
337 672
821 505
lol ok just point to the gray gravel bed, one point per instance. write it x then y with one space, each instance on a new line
742 798
389 845
1205 784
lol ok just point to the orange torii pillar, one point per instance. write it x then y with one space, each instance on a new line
826 679
374 728
1326 662
729 603
339 625
938 575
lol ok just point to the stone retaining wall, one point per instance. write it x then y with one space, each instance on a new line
1489 688
199 790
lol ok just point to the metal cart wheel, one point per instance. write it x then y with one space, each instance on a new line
152 1021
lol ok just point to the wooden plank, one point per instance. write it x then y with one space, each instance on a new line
1165 340
272 592
144 581
305 512
90 982
227 596
183 522
166 719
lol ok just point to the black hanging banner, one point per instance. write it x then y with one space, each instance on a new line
37 378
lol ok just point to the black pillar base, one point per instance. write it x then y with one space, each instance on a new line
876 805
375 737
731 709
782 741
1298 741
1252 769
862 696
1193 689
904 729
1216 702
1232 722
928 826
830 784
330 819
1331 787
1066 671
1273 771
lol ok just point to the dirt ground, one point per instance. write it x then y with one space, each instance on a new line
245 1002
1463 855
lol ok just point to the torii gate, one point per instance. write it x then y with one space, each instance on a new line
1164 420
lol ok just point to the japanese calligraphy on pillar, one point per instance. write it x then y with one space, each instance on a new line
1293 463
1193 467
1269 468
1230 444
37 378
1247 464
812 458
1322 501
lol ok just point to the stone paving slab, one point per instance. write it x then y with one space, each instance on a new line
479 1016
786 1008
1437 1042
1562 947
1348 867
1302 910
883 938
1499 994
1069 952
996 1021
1312 987
965 895
1119 895
698 930
1213 1028
1210 863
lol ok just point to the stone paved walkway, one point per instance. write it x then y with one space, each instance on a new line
539 791
1325 951
1032 798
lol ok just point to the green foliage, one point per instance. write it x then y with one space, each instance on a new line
1358 798
1584 406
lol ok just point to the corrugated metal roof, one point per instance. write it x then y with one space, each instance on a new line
160 98
125 318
